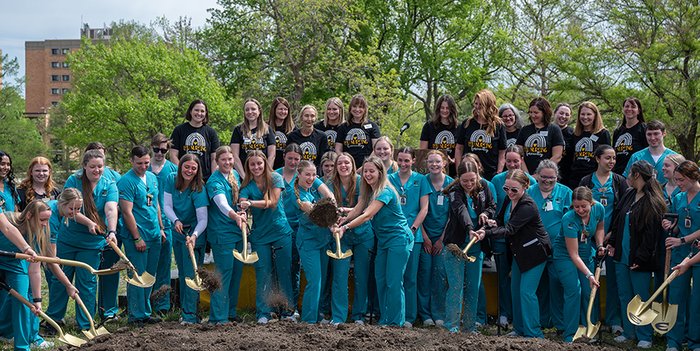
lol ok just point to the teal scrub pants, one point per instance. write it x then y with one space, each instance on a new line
577 291
526 309
279 253
629 284
139 299
84 281
410 283
108 285
503 264
361 253
390 266
549 294
688 300
315 265
165 260
481 306
613 314
296 270
189 298
463 281
15 317
324 307
224 301
432 285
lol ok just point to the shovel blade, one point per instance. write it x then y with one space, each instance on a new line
251 258
346 254
102 331
580 332
637 314
146 280
666 318
72 340
89 334
193 284
592 330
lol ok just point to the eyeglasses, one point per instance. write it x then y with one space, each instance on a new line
157 150
509 189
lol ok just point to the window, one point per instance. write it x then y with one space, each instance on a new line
65 64
55 91
66 78
55 64
55 52
54 103
54 78
64 91
65 51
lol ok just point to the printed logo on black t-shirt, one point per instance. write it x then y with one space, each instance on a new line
308 151
356 137
445 140
583 149
536 145
480 141
623 145
331 135
280 140
510 142
195 144
250 144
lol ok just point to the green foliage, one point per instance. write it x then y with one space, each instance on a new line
128 90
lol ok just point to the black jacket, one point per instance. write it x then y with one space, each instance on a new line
458 221
525 234
644 241
619 185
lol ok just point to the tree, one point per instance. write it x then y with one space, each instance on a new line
127 90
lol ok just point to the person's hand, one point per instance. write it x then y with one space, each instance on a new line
190 241
339 231
666 224
634 266
682 267
491 223
36 308
428 246
593 282
610 250
473 235
92 228
72 291
601 251
241 218
111 237
140 245
672 242
437 247
163 237
178 226
483 219
305 206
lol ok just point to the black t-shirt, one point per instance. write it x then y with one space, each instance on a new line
626 142
312 146
22 193
581 150
281 143
440 137
537 143
249 144
357 139
512 137
477 141
330 131
202 141
567 155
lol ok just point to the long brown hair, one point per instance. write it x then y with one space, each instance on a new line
487 110
288 125
27 222
89 205
466 167
262 127
337 183
197 183
267 174
303 164
28 182
222 150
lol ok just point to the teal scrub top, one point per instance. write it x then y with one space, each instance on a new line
55 222
572 227
553 208
168 167
289 198
645 155
269 224
185 205
498 181
625 256
604 194
669 197
389 224
438 207
144 197
688 213
7 202
10 264
78 235
410 194
364 231
221 229
476 248
309 235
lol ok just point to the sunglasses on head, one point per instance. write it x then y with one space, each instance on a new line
157 150
509 189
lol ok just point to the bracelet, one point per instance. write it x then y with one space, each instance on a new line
37 299
26 248
413 228
112 232
589 275
683 240
346 227
137 239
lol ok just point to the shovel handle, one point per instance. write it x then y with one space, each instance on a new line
192 257
80 303
21 256
337 243
121 254
469 245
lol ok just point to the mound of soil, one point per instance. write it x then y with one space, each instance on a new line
298 336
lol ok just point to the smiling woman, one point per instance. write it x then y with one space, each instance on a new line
38 184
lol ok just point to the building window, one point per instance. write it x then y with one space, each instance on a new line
55 64
55 51
65 64
64 91
54 78
66 78
65 51
55 91
54 103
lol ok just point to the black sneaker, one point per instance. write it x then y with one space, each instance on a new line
152 320
235 319
48 329
110 319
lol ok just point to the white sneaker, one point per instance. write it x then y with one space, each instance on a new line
6 340
263 320
296 314
208 258
44 345
478 325
671 349
503 321
360 322
512 334
408 325
644 344
616 329
428 323
620 339
439 323
325 321
289 319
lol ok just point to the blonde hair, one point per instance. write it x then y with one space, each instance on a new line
442 155
393 166
303 164
367 194
262 126
27 222
487 110
221 150
334 101
337 183
267 175
597 120
304 108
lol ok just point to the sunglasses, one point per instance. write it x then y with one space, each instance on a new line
157 150
511 190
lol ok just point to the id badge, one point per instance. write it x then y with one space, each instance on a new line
688 222
440 200
604 201
149 200
548 206
402 199
584 235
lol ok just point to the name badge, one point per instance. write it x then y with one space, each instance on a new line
594 138
149 200
688 222
548 206
584 235
440 200
402 199
544 133
604 201
368 126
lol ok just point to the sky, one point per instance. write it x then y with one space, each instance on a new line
35 20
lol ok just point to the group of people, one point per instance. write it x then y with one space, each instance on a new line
546 201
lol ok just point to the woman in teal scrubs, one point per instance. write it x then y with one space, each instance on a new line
413 196
379 203
636 232
345 185
186 206
573 257
687 206
553 200
79 242
271 235
224 235
471 205
9 197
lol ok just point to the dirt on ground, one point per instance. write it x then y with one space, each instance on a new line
299 336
